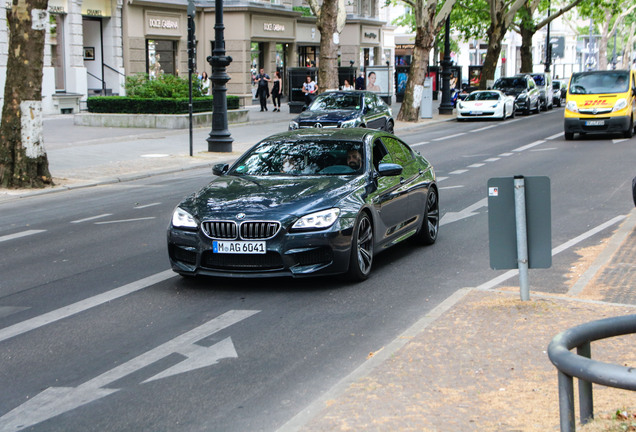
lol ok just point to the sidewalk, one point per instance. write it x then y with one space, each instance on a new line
477 362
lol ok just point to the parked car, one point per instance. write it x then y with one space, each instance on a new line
544 84
346 109
307 202
559 90
486 104
523 88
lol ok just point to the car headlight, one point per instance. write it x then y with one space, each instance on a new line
293 125
459 105
522 96
620 104
350 123
183 219
571 106
319 220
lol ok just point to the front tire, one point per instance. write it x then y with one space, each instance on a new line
361 257
427 234
630 130
389 127
569 136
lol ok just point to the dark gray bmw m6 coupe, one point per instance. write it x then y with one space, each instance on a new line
306 203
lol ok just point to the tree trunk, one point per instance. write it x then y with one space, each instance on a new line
410 108
602 46
495 36
23 161
527 31
328 63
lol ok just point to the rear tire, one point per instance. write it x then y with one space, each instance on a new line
389 127
361 257
427 234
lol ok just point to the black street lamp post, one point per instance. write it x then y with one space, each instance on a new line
220 139
548 45
446 106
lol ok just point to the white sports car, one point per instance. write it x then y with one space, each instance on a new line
486 104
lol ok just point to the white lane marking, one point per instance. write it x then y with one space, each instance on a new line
82 305
506 154
491 159
91 218
5 311
568 244
484 128
20 235
439 179
619 140
146 205
458 172
420 143
451 187
463 214
57 400
528 146
477 165
155 155
125 220
555 136
449 136
543 149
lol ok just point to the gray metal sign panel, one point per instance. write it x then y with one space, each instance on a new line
502 222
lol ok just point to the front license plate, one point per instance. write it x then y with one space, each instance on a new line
476 113
595 123
239 247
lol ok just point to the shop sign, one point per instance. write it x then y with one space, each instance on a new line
57 6
371 35
268 26
96 8
163 24
273 27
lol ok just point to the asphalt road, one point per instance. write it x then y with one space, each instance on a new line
97 334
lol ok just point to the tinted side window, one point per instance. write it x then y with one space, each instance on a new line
400 154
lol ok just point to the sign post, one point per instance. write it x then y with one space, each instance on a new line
519 225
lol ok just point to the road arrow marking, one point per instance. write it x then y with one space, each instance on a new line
463 214
55 401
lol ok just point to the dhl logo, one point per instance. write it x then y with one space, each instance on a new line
595 102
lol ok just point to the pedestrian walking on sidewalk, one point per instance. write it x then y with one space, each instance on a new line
262 91
277 91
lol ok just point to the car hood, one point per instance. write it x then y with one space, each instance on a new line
331 115
268 197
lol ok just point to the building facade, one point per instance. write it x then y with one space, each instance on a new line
92 45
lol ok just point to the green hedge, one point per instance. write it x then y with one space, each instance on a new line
128 105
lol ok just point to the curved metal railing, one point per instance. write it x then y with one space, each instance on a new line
588 371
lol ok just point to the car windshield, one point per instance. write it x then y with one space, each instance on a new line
539 79
504 83
595 82
556 85
307 157
331 101
482 96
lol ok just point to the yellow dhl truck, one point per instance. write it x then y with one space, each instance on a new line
600 101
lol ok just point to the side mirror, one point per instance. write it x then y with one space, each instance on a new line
220 169
389 169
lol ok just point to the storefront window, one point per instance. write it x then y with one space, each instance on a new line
256 58
308 56
161 57
57 50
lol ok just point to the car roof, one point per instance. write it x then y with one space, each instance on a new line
353 134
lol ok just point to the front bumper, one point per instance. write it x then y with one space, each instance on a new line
302 254
610 124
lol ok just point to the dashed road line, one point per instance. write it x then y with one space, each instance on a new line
555 136
458 172
476 165
91 218
449 136
125 220
529 146
20 235
146 205
494 159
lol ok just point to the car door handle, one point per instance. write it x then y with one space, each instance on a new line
402 181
